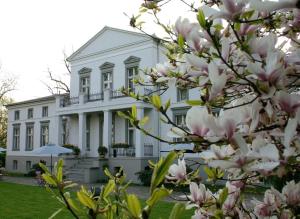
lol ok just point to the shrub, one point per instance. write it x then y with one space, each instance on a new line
76 150
2 159
102 150
145 176
120 145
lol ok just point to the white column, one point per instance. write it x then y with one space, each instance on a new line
107 128
139 136
58 130
82 132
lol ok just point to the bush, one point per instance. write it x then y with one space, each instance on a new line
120 145
36 167
102 150
145 176
76 150
2 159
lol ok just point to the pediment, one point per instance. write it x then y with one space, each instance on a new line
132 59
106 65
108 39
84 70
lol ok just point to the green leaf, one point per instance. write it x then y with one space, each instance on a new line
223 195
180 41
144 120
134 205
195 102
168 104
107 173
134 111
49 180
218 27
177 211
55 213
59 170
161 169
156 101
201 19
109 187
157 195
209 172
43 166
86 200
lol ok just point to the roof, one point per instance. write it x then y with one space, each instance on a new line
78 51
40 99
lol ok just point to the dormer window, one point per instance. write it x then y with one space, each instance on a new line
132 68
84 80
107 75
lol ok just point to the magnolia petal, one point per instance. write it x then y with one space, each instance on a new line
263 166
162 79
176 133
270 152
223 164
290 131
269 6
241 143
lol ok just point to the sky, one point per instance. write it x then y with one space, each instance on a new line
34 35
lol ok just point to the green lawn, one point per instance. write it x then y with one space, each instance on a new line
22 201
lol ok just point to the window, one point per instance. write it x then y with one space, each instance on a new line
15 164
30 113
64 132
17 115
131 73
107 80
44 134
130 134
88 131
28 165
16 138
182 94
132 67
107 75
179 120
45 111
29 137
85 85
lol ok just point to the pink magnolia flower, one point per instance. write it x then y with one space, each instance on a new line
218 79
184 27
263 45
288 102
217 152
199 121
200 215
291 191
199 194
177 171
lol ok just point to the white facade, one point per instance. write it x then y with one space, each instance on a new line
88 116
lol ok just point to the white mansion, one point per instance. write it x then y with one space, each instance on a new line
87 117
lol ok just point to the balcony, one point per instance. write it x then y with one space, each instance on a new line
67 101
130 152
93 97
116 94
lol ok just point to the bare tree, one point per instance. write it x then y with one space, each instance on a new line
57 85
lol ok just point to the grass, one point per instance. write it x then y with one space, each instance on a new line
28 202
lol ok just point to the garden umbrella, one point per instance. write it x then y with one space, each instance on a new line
2 150
51 149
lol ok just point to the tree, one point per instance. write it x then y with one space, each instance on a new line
243 57
7 84
57 84
3 120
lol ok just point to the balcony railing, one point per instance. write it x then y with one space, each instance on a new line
122 152
148 150
67 101
116 94
93 97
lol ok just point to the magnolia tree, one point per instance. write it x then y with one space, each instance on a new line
244 58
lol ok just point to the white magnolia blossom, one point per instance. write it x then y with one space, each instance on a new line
178 171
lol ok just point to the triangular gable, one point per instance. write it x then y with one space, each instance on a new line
108 38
